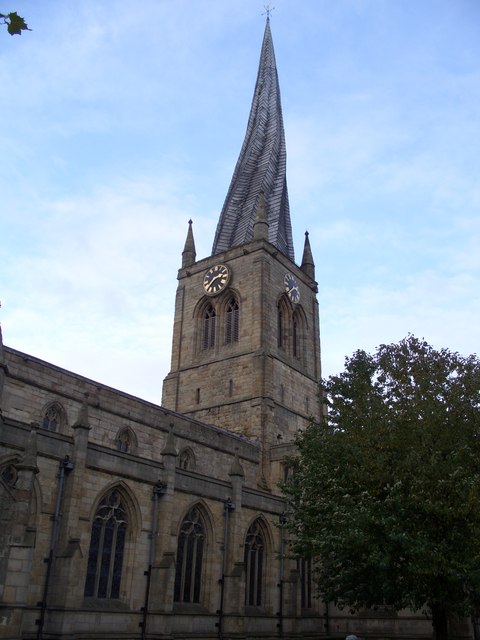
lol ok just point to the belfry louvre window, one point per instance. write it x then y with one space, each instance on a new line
105 556
188 572
280 327
231 321
254 557
209 326
296 350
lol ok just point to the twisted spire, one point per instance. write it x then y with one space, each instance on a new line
261 166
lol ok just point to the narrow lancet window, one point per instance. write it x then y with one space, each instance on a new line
254 559
280 340
209 326
231 321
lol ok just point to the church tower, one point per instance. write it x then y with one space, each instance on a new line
246 341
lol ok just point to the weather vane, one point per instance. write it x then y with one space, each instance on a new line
268 10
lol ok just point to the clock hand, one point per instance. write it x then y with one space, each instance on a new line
216 278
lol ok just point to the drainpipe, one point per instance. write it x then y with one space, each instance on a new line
327 619
66 465
159 490
228 506
282 521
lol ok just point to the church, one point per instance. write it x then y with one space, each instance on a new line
122 519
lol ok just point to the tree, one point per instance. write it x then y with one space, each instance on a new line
386 489
15 23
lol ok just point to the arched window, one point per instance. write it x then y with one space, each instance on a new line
295 346
186 460
124 441
231 321
105 556
283 321
280 323
52 418
209 324
298 325
188 573
254 558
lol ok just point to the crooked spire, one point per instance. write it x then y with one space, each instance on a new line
261 166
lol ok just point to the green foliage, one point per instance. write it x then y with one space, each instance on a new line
385 491
15 23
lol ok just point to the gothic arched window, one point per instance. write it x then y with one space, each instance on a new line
295 337
188 572
52 418
231 321
124 441
186 460
283 318
280 322
209 325
297 334
105 556
254 560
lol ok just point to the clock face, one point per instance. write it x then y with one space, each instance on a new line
216 279
291 287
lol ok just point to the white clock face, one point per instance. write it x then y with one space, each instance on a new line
216 279
291 288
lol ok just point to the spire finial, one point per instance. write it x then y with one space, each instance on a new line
268 10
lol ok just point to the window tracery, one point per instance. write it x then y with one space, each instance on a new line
107 544
190 550
254 561
52 417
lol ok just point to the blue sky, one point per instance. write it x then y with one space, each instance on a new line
120 121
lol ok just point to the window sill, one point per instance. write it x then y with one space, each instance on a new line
105 604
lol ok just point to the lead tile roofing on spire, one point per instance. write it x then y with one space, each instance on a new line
261 166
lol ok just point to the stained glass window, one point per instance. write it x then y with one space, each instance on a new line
254 557
188 573
105 556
